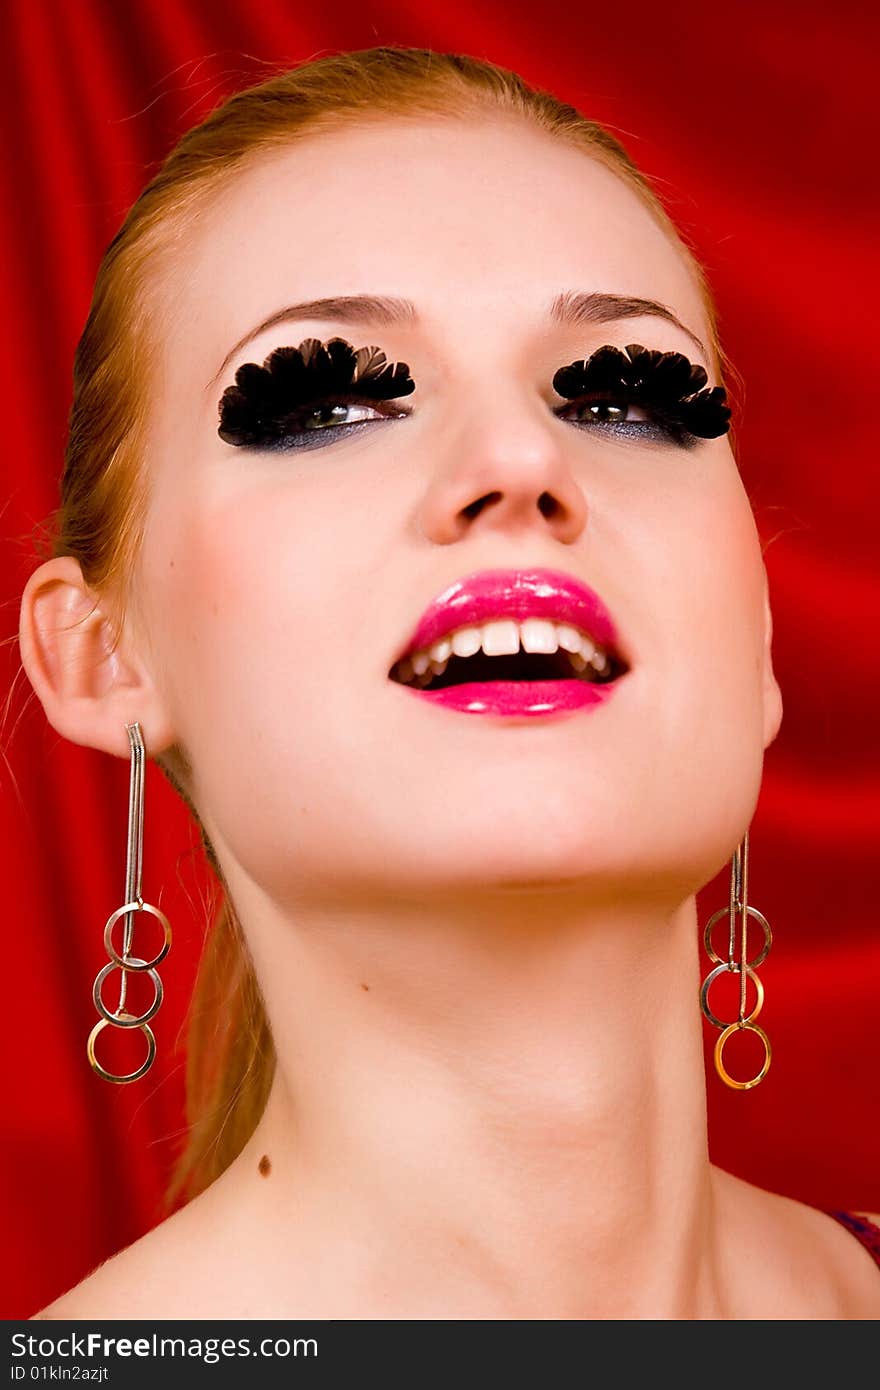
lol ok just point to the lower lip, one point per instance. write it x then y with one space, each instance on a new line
519 697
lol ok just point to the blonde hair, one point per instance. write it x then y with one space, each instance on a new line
104 488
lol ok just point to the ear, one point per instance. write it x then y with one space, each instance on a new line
772 693
89 686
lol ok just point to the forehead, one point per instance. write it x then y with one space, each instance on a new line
481 223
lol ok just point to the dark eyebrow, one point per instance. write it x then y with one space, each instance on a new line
569 309
575 308
346 308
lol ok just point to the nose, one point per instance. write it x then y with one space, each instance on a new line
506 467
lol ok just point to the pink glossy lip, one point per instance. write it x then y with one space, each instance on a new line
519 594
518 697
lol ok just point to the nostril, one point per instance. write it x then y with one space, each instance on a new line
474 508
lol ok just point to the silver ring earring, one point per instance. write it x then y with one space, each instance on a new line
746 969
134 903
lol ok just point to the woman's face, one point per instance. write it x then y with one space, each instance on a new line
276 588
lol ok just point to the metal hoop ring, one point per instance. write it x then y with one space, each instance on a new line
127 1076
129 964
125 1019
751 912
719 1049
707 984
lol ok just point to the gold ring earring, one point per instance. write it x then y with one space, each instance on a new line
739 875
121 1017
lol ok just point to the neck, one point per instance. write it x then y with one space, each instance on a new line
495 1108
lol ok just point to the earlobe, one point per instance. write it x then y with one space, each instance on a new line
90 685
771 691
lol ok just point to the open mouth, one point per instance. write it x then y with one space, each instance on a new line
514 642
599 668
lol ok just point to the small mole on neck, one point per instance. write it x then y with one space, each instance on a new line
363 986
264 1166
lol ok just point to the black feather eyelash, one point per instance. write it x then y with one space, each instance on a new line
269 403
665 382
266 402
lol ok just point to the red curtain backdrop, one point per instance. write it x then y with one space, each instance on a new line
757 121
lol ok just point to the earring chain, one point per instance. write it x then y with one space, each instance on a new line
134 903
738 907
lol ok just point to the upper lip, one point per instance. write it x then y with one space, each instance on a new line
514 593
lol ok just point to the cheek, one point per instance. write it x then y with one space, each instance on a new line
257 612
722 603
258 585
711 644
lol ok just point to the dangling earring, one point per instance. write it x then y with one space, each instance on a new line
121 1018
739 874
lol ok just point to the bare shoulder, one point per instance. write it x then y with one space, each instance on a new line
211 1259
794 1260
158 1276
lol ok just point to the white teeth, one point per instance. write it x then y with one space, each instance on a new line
466 642
569 637
538 635
503 637
441 650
